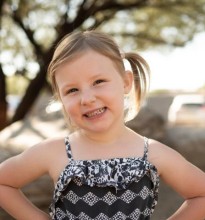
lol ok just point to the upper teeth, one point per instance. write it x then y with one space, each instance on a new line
97 112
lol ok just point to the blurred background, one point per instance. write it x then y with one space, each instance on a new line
169 34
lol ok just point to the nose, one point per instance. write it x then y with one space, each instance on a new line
87 97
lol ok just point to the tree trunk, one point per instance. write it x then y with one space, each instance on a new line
30 96
3 103
34 88
3 115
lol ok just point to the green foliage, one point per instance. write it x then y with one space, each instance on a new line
16 85
30 28
169 23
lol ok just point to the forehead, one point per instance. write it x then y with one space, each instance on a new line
87 60
86 66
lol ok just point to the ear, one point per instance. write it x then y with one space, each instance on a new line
128 81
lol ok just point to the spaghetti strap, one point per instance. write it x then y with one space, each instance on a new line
68 148
146 145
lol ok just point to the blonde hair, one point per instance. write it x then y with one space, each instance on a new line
77 42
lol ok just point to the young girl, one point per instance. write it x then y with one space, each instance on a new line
102 169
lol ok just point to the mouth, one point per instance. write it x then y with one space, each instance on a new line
95 113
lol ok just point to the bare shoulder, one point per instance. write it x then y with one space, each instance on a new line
159 153
32 163
45 150
49 146
52 153
175 170
163 156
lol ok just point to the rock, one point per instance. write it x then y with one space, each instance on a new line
189 141
148 123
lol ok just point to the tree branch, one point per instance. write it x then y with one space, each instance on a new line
29 34
117 6
148 38
1 6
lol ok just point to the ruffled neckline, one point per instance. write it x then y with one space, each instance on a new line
113 172
104 170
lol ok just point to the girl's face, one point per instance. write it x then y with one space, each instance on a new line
92 92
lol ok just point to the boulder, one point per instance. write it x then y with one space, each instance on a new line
148 123
189 141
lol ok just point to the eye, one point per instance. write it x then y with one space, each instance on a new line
71 91
99 81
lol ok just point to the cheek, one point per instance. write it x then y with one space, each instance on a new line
69 106
115 98
118 92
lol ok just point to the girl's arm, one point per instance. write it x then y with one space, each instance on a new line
184 178
18 206
15 173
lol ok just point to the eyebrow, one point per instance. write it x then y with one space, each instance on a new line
72 85
66 86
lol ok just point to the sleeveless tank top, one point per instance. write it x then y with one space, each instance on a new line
114 189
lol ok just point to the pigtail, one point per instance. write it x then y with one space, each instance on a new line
141 72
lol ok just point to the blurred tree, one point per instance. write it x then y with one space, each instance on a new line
3 103
31 29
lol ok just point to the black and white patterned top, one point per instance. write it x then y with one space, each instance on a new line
114 189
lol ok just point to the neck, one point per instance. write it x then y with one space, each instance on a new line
106 137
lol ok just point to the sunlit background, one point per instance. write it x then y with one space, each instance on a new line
180 69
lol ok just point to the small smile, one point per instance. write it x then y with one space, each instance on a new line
95 112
